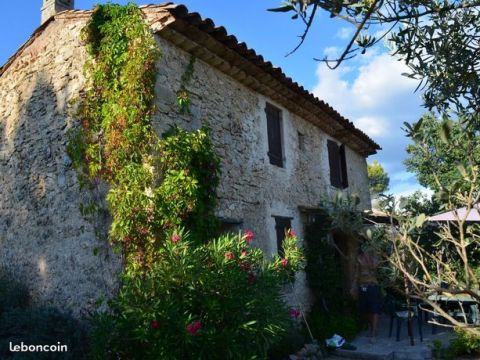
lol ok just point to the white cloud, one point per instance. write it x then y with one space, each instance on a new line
411 190
372 93
381 80
331 51
344 33
375 126
403 176
378 84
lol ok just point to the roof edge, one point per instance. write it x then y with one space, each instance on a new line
220 34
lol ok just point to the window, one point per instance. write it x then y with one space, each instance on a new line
338 165
274 130
228 225
301 141
282 224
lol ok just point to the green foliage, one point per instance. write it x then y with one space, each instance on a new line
190 176
289 344
225 287
343 212
323 268
437 349
333 311
154 184
377 178
76 147
418 203
320 257
465 343
116 140
325 324
432 50
181 297
438 40
183 96
115 111
444 146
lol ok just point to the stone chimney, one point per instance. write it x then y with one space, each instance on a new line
51 7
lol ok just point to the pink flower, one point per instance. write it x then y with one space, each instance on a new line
291 233
176 238
229 255
294 313
193 327
284 262
248 236
155 324
244 253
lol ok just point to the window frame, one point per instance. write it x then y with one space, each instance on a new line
337 164
282 223
275 151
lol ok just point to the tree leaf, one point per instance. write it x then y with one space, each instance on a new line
445 132
420 220
369 234
285 8
461 170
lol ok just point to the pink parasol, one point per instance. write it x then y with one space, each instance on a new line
458 214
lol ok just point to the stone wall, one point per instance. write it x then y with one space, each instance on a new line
252 190
43 237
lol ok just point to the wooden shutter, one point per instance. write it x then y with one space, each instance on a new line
334 161
274 135
343 166
282 224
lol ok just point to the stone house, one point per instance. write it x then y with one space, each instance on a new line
281 148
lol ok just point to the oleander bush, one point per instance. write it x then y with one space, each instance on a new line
220 300
185 294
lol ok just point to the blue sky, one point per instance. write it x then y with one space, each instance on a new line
369 90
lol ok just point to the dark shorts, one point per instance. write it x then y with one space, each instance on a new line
370 299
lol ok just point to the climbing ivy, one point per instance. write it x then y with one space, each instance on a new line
154 184
183 95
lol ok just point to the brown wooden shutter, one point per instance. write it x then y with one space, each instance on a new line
282 224
343 166
334 161
274 131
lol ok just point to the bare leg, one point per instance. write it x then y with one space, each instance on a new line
374 325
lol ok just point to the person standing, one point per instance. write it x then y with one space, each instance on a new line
370 303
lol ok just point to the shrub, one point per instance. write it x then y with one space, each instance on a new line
465 344
220 300
324 324
289 344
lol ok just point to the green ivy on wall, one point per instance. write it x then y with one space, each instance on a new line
181 296
183 95
154 184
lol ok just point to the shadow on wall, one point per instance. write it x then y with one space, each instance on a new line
32 176
46 242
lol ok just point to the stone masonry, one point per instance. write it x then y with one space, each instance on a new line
44 239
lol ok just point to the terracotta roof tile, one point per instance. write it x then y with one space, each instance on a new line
156 13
